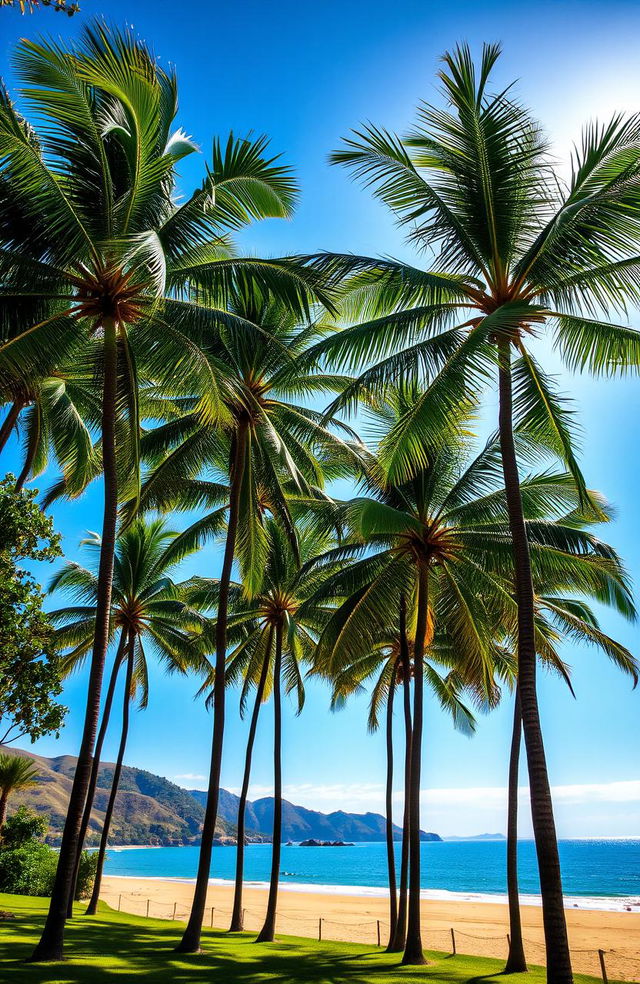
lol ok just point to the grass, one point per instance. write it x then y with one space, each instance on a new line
114 946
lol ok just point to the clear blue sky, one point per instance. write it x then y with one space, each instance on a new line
304 74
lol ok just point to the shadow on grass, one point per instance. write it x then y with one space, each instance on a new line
114 947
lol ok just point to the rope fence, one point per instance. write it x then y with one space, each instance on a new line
611 966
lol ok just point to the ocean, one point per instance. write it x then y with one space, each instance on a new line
597 874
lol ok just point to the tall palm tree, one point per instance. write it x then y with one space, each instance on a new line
281 625
115 263
440 539
149 615
271 446
391 663
559 619
16 773
518 251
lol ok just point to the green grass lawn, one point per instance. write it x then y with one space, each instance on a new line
113 946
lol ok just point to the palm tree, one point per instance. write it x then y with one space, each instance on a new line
280 626
392 664
116 263
517 251
440 539
55 420
271 447
559 618
150 616
16 773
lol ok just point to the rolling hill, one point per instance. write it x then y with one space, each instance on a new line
152 810
149 809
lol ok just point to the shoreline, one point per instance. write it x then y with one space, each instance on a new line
587 903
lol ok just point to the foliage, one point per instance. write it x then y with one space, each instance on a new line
60 6
29 666
24 825
27 865
29 869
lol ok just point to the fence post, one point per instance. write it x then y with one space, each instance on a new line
119 902
453 941
175 905
212 908
378 927
320 928
603 967
148 901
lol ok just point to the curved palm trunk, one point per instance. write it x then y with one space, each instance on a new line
516 961
555 927
51 942
398 942
237 923
104 839
391 859
9 423
268 930
413 947
95 766
190 942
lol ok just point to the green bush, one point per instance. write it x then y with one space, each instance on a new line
86 874
29 869
27 866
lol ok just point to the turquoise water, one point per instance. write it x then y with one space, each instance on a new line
597 873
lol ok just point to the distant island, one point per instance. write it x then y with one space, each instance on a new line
315 843
151 810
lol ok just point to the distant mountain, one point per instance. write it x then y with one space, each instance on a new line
478 837
299 823
148 809
152 810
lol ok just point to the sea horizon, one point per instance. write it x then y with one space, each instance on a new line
598 873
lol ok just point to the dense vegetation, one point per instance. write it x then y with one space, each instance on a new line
140 349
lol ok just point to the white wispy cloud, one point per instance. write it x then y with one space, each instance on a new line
190 775
582 809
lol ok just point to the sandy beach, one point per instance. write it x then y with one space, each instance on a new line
479 927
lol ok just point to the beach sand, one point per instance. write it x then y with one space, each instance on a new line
480 927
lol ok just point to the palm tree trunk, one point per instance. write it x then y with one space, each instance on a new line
516 961
268 930
51 942
32 450
115 782
10 422
190 942
237 922
401 929
3 810
95 766
391 858
413 947
555 927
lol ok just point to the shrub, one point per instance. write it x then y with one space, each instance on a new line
27 866
29 869
86 874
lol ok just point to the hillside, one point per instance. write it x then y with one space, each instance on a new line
152 810
299 823
148 810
